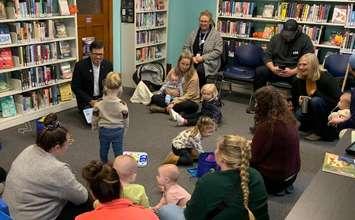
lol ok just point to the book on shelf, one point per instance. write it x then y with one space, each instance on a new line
64 49
339 14
5 37
63 7
65 92
160 4
2 9
61 30
338 165
269 31
4 86
6 58
268 11
7 105
66 70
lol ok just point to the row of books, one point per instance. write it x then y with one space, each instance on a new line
152 36
351 15
13 9
314 32
233 8
35 100
34 54
152 19
237 28
26 32
149 53
348 43
307 12
150 4
40 76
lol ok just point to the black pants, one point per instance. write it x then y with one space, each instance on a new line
273 186
70 210
200 69
185 156
192 118
264 75
186 107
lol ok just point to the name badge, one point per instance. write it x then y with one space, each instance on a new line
295 52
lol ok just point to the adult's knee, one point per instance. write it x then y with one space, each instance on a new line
262 72
317 104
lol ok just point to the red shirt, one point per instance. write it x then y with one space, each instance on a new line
118 209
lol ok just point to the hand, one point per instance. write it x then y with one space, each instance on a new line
199 59
287 72
155 208
93 102
276 70
194 59
174 93
336 120
170 106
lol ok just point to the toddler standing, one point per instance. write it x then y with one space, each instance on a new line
171 88
188 144
126 167
111 116
211 107
173 193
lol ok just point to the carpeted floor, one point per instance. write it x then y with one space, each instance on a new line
152 133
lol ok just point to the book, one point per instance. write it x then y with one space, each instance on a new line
268 31
339 14
4 86
64 49
63 7
5 37
88 114
7 105
2 10
66 71
65 92
268 11
338 165
61 30
6 58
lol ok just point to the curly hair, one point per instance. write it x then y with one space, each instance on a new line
271 105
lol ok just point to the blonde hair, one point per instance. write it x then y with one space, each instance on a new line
314 69
190 72
125 166
235 151
208 14
202 124
210 87
171 171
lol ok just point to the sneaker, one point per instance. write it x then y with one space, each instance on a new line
180 120
173 114
290 189
157 109
312 137
279 194
251 109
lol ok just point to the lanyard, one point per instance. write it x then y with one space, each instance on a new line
202 39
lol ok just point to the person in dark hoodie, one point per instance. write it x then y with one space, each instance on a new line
281 56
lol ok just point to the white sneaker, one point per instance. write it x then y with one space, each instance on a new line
180 120
173 114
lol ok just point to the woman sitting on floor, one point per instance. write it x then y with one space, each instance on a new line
275 145
188 102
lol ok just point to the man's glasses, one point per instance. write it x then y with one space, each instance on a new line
97 54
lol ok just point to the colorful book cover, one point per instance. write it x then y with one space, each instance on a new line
339 14
338 165
65 92
8 107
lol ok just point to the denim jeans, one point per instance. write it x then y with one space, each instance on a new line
110 136
171 212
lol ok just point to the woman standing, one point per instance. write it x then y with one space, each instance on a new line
318 92
275 145
206 45
187 103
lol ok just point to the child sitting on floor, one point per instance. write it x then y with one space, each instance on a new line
187 145
173 193
211 107
126 167
171 88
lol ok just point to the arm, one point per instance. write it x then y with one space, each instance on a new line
95 118
197 143
217 47
268 52
76 84
189 42
261 144
160 204
144 201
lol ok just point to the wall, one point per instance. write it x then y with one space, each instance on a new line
116 18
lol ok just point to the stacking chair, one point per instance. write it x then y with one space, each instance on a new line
337 65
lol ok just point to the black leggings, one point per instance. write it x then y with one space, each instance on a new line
185 156
273 186
187 107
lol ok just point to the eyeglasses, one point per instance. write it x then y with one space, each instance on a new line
97 54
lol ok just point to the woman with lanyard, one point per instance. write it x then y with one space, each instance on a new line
206 45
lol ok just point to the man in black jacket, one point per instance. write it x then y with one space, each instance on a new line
88 76
281 56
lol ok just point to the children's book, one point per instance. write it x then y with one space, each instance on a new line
7 105
339 14
88 114
268 11
65 92
63 7
340 165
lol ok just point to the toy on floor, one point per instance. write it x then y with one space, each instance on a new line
140 157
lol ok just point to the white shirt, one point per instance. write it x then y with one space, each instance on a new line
96 72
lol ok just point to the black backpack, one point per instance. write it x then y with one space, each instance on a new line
152 74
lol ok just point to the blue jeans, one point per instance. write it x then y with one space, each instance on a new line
171 212
108 136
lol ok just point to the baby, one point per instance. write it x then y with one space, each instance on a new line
171 88
126 167
343 114
173 193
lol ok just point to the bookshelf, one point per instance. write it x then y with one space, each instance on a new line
329 23
144 40
38 50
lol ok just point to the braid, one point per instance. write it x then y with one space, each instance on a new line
244 174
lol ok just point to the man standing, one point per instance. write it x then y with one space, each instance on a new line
88 76
281 56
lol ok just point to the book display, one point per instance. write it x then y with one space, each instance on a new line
329 23
149 30
38 49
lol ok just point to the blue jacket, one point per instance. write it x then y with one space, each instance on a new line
212 109
351 122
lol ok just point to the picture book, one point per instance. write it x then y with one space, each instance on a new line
66 71
88 114
340 165
7 105
61 30
5 37
65 92
63 7
268 11
268 31
64 49
339 14
6 58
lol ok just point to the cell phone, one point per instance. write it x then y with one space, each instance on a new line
351 149
282 67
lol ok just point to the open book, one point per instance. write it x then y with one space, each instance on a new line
340 165
88 114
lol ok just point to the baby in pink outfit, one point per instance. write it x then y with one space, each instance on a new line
173 193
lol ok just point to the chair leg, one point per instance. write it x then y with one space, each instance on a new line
251 99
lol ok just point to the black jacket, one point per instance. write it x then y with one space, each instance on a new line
212 109
83 80
285 53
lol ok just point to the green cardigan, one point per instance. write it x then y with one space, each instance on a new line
215 187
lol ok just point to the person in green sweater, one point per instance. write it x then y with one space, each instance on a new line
238 190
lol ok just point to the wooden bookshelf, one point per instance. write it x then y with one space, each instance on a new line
144 40
38 77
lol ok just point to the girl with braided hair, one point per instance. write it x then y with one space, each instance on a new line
275 145
236 192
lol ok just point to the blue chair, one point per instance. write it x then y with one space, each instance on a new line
242 70
337 65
